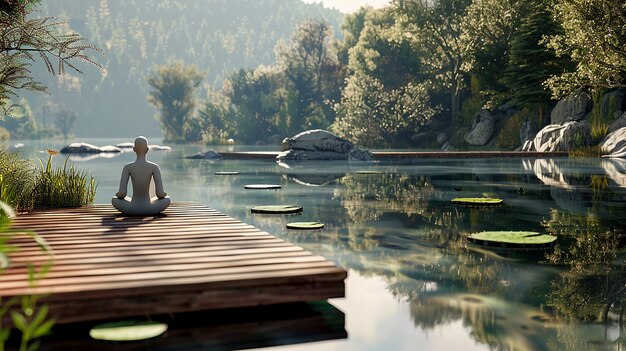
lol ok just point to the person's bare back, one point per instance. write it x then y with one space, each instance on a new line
141 172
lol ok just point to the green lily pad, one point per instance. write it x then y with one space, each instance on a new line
509 239
305 225
477 201
263 186
127 331
226 173
276 209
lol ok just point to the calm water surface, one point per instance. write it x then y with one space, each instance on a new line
414 282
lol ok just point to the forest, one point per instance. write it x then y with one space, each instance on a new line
424 73
403 75
132 36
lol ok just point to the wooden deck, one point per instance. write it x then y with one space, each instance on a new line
189 258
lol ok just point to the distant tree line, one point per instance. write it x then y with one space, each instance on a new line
412 66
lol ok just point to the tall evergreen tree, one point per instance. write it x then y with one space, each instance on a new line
531 63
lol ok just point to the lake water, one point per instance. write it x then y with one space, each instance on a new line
414 281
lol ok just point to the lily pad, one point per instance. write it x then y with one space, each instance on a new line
127 331
263 186
477 201
276 209
226 173
305 225
509 239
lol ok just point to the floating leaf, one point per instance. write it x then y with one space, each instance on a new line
477 201
305 225
263 186
276 209
509 239
127 331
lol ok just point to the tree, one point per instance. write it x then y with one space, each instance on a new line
489 26
594 36
173 93
310 63
437 28
372 115
531 63
65 120
263 98
24 40
21 123
384 53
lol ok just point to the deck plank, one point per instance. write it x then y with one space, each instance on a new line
160 264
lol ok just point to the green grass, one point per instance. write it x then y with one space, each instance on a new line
62 187
17 178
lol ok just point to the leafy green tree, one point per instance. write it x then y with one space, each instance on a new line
310 63
372 115
65 120
437 27
489 26
21 122
174 88
594 36
24 40
218 118
384 53
263 100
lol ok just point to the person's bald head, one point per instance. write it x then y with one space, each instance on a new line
141 145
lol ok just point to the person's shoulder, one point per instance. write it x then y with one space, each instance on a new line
153 165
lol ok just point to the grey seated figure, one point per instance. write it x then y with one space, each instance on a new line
141 172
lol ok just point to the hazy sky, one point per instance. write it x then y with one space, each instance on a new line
347 6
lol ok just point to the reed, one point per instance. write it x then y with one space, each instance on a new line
62 187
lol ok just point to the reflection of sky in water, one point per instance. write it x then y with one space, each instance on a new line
413 283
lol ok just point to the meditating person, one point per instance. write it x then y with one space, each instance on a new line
141 173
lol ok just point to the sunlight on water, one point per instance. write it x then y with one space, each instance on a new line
415 282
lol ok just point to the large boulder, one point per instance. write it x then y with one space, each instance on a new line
320 144
572 108
561 137
528 130
618 123
85 148
482 128
614 145
209 155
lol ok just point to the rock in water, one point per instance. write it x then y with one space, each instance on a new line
317 140
562 137
209 155
614 145
573 108
84 148
110 148
320 144
482 129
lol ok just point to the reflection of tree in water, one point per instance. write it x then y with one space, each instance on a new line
596 274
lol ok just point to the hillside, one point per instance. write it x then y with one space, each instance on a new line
218 36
